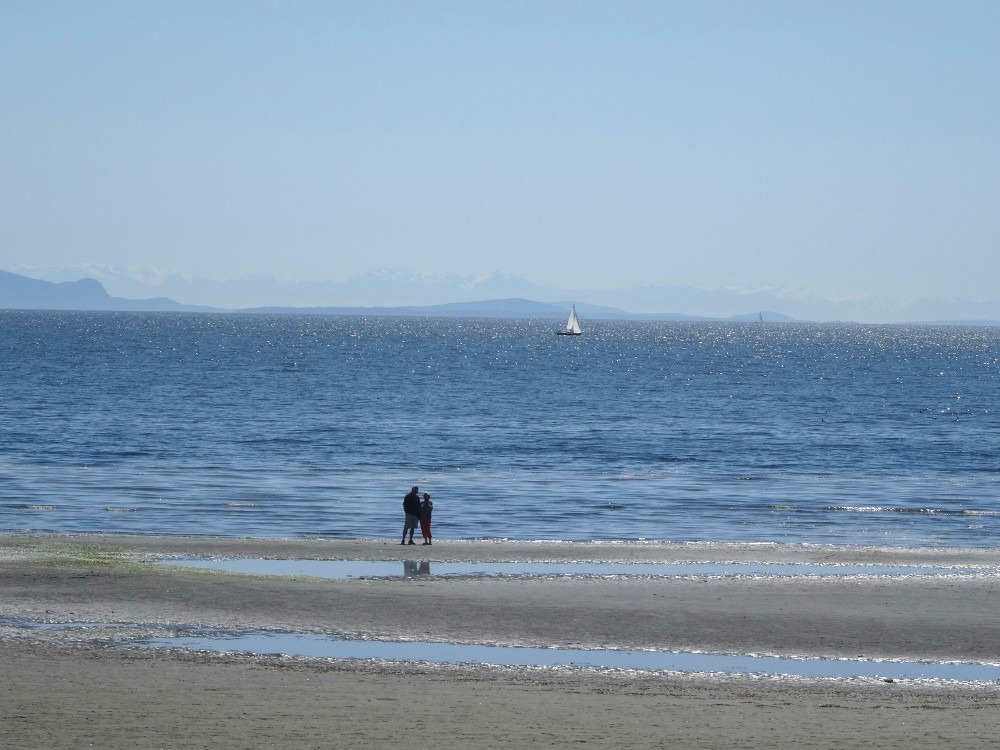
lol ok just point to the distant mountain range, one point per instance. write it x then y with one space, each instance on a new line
514 307
495 295
24 293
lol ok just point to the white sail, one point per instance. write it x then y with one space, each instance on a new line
572 325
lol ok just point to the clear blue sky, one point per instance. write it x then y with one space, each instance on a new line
838 147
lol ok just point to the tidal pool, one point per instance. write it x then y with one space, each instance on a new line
329 647
322 646
341 569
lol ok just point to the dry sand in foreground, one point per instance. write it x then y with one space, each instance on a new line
68 689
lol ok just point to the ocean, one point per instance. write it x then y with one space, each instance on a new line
311 425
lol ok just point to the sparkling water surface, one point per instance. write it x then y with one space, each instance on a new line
240 425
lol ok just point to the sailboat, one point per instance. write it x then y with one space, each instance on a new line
572 325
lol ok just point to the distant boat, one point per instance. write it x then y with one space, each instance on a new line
760 317
572 325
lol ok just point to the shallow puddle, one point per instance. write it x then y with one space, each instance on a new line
315 645
339 569
320 646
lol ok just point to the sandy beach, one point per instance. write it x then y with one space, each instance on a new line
75 687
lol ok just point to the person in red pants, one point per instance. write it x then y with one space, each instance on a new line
425 517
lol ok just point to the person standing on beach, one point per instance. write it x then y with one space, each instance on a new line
425 517
411 507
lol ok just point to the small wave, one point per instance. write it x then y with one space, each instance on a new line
279 441
922 511
112 509
877 509
32 506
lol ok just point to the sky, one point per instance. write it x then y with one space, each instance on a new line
836 148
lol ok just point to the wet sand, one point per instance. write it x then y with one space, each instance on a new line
71 688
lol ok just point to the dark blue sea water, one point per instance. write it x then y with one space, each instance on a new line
317 425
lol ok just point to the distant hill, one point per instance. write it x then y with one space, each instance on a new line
514 307
23 293
398 293
498 308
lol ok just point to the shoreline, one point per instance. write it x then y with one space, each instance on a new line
191 699
511 550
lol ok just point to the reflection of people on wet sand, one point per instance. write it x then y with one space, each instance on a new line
411 507
425 517
412 568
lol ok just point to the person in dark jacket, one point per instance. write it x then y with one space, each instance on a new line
411 507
